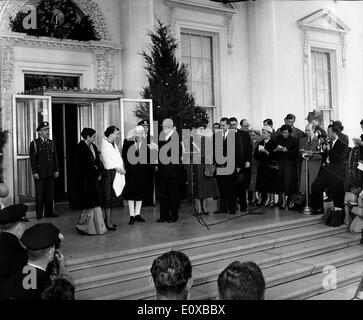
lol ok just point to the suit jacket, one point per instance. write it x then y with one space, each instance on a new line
170 170
238 153
13 256
44 158
13 288
337 156
296 133
246 146
344 138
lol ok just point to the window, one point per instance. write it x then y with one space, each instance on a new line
322 84
35 81
197 54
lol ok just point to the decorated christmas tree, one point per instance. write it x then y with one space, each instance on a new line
168 83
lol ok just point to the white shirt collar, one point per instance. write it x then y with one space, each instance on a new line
333 142
169 135
35 266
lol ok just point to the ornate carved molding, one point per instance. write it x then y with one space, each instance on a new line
104 69
90 7
343 49
229 26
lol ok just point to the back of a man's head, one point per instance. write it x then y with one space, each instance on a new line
172 273
61 289
241 281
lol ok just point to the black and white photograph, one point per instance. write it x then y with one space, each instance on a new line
194 150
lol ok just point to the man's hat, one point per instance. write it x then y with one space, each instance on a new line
43 125
13 214
143 123
40 237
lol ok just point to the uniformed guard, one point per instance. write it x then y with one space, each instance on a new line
29 282
44 163
13 255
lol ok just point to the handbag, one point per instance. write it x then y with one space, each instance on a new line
334 217
209 170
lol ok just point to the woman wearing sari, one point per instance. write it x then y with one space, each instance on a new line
86 194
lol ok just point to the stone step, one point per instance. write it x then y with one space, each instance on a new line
150 251
207 253
342 293
141 288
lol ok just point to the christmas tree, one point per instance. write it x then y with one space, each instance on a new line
168 83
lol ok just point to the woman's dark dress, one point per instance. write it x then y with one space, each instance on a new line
86 191
204 186
288 176
267 172
135 173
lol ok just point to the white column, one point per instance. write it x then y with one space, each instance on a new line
262 54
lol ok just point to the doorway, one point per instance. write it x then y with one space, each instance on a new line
65 136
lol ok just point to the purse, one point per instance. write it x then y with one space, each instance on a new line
209 170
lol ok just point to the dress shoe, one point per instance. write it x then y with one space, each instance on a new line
138 218
51 216
316 212
172 220
219 211
132 221
161 220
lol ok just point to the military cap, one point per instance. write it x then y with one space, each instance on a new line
13 214
40 236
143 123
43 125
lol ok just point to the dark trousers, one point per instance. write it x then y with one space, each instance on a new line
148 198
44 188
227 185
169 198
244 179
326 179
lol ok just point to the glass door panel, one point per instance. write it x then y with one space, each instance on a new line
28 112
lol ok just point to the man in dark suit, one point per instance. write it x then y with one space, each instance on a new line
244 177
13 255
228 183
332 173
29 282
169 173
44 163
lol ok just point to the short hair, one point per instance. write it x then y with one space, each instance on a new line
60 289
241 281
87 132
171 272
334 128
233 119
268 122
338 124
290 116
110 130
225 119
285 127
361 122
241 122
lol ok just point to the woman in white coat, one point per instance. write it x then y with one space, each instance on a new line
114 173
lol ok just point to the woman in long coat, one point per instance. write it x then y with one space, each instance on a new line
287 152
309 146
134 156
267 171
204 182
86 194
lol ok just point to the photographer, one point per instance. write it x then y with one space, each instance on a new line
41 241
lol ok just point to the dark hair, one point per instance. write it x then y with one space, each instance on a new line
197 124
61 289
290 116
171 272
361 122
233 119
111 130
268 122
224 119
334 128
286 127
241 281
87 132
338 124
241 122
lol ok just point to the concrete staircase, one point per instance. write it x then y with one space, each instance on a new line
292 256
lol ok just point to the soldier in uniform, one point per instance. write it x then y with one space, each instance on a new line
44 163
31 280
13 254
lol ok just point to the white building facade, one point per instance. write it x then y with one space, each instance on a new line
255 60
